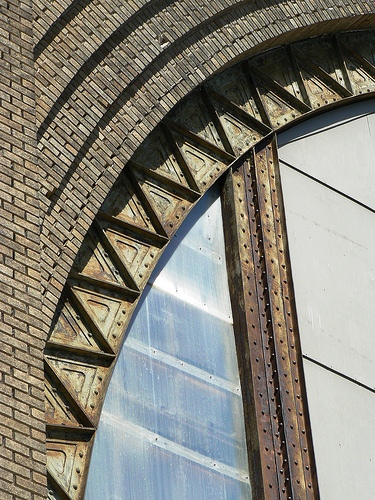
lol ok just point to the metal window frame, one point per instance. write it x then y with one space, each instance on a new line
227 124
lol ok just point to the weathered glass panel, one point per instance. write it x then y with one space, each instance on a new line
172 423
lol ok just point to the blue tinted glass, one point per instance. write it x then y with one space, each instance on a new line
172 423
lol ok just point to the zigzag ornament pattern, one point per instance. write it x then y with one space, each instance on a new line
217 125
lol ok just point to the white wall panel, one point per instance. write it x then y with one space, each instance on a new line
332 247
331 235
337 148
343 426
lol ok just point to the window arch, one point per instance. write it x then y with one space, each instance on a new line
184 156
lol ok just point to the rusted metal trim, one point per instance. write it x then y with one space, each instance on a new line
247 328
197 139
278 90
269 354
146 223
288 355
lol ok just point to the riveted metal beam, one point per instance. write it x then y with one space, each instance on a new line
176 164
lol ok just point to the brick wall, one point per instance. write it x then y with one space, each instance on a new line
106 73
22 442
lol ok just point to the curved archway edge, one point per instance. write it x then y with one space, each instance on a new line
220 123
99 113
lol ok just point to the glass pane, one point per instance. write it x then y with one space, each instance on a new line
172 424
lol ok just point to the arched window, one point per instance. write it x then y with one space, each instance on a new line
172 425
227 128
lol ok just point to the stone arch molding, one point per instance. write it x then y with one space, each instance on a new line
216 126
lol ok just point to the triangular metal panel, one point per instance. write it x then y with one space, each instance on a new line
158 156
168 204
206 163
233 86
71 329
195 117
94 261
237 129
123 204
277 66
320 94
83 380
59 410
360 61
325 54
135 253
67 463
279 110
109 311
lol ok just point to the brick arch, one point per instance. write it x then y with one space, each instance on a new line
217 125
100 99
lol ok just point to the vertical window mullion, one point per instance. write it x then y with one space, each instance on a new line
278 432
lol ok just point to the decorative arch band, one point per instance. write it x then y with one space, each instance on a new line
217 126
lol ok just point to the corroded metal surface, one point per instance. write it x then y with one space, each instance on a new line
197 142
266 330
